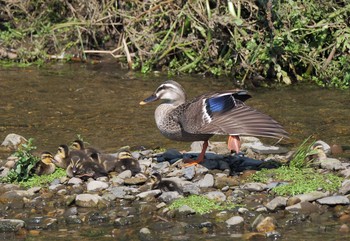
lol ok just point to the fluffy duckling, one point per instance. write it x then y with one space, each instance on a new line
79 145
106 160
85 169
125 161
164 185
64 155
46 164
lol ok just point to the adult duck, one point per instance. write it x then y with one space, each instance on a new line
222 113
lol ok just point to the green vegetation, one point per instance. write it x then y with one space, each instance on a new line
24 167
281 41
201 204
40 181
23 171
300 178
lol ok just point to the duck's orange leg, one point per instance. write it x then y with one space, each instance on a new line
234 143
191 162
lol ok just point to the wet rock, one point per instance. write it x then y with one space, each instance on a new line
345 187
145 234
189 172
254 187
96 218
11 225
124 221
336 149
235 220
56 187
276 203
87 200
344 228
302 207
268 224
151 193
311 196
12 141
207 181
345 173
334 200
216 195
95 186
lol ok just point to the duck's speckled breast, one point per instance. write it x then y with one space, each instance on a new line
168 122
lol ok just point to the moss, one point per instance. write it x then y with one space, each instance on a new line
201 204
298 180
40 181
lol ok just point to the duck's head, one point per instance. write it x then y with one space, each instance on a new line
124 155
46 157
170 91
78 145
62 152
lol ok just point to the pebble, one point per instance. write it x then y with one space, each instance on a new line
216 195
276 203
75 181
87 200
189 172
207 181
235 220
345 187
95 186
254 186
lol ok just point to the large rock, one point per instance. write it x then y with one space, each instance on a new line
206 181
235 220
311 196
334 200
13 141
87 200
254 186
11 225
277 202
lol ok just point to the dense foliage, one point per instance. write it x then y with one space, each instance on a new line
278 40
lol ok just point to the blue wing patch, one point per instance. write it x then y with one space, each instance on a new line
219 104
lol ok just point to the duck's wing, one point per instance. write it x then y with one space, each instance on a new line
225 113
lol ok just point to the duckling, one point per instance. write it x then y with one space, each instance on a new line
63 156
164 185
46 164
125 161
85 169
106 160
79 145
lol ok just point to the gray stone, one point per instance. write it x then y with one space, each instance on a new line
150 193
345 173
87 200
254 186
196 146
311 196
118 192
302 207
277 202
345 187
125 174
162 167
12 141
95 186
186 210
191 188
216 195
189 172
75 181
333 200
168 197
207 181
331 164
235 220
11 225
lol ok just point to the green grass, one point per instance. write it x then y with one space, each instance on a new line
201 204
299 180
44 180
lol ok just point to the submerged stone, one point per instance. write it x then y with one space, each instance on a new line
11 225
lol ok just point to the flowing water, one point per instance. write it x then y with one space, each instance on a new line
101 104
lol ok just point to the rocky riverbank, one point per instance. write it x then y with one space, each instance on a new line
132 207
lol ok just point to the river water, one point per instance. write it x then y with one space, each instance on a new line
100 103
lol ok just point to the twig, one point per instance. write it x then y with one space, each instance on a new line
127 53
